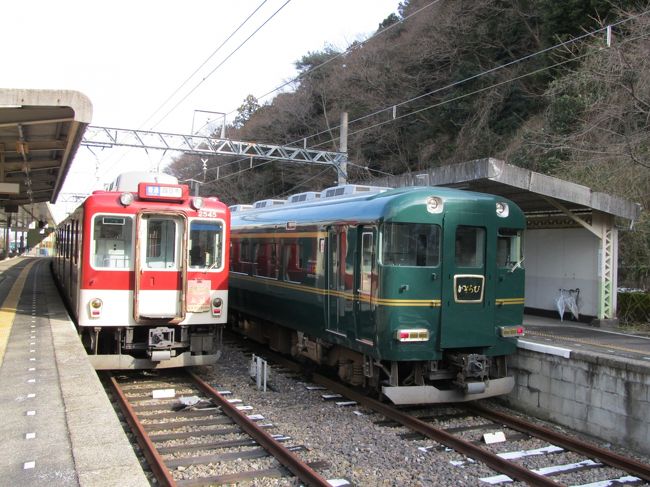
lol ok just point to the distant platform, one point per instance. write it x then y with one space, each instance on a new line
564 337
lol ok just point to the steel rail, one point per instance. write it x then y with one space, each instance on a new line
300 469
592 451
154 459
511 469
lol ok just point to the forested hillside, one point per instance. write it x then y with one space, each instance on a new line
533 83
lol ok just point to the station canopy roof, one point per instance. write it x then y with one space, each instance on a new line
533 192
40 132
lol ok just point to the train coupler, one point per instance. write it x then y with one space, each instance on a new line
160 343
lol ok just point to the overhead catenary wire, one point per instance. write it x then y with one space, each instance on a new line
221 63
204 63
213 70
455 84
471 78
350 48
531 73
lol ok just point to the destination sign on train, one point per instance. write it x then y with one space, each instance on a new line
163 191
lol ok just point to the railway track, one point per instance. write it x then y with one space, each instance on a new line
474 420
191 434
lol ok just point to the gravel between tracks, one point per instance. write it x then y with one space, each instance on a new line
357 449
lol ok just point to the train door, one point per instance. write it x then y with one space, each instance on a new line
467 295
335 280
366 271
159 267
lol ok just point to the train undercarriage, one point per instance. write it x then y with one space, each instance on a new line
460 376
145 346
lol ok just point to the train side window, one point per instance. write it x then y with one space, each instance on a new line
266 259
75 241
245 251
509 248
112 237
411 244
470 246
206 245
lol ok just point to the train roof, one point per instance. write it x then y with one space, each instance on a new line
400 204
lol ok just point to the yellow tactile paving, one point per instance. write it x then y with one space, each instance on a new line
8 310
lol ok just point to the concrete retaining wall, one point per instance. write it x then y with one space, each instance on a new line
591 393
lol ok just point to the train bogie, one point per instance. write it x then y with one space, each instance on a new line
417 292
144 270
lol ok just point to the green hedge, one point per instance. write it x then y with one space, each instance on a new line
634 307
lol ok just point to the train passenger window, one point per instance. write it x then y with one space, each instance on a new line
411 244
509 249
470 245
266 259
245 251
206 245
112 236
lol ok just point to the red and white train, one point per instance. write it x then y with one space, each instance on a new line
144 268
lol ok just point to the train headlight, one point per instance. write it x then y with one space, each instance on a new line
434 204
217 305
95 307
412 335
126 199
502 209
197 203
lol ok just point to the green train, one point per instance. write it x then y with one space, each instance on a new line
417 293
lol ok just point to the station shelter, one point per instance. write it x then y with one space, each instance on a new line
40 132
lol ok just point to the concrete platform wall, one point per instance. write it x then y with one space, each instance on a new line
590 393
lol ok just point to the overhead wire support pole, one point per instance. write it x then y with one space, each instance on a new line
203 145
342 167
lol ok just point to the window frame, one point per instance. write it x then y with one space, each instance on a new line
382 245
93 253
222 244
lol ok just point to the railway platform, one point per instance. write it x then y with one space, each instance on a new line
59 427
592 380
547 335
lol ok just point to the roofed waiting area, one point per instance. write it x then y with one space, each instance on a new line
40 132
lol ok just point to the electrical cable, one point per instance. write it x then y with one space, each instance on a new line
473 77
203 63
221 64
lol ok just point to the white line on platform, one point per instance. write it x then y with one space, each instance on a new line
547 349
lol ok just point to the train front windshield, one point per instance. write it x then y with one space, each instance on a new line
206 244
411 244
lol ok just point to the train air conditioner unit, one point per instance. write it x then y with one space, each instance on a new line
268 203
351 189
303 197
239 208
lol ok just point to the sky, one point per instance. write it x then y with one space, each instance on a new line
129 57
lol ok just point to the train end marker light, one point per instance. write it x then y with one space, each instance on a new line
95 307
511 331
217 303
413 335
9 188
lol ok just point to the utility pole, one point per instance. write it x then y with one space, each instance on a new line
343 147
